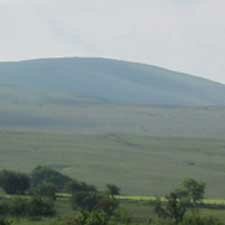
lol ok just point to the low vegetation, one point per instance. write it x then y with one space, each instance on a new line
42 175
40 202
27 207
14 182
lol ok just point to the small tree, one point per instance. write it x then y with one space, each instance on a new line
44 174
112 189
13 182
194 190
76 186
91 201
173 208
177 203
84 200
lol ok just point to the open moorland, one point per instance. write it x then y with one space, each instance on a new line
101 122
142 165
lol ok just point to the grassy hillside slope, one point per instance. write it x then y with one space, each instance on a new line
94 119
141 165
96 80
204 122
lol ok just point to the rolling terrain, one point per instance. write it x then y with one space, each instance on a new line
203 122
140 165
93 95
106 121
70 81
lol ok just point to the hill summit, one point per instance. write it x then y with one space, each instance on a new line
96 80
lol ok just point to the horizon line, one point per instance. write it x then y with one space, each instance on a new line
112 59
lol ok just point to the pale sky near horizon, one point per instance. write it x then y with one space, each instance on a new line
183 35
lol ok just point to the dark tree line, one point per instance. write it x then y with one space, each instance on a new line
42 186
42 180
92 206
14 182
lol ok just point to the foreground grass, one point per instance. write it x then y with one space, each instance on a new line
140 211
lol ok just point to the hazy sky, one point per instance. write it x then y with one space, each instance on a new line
185 35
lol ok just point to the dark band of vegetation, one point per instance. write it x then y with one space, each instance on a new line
34 196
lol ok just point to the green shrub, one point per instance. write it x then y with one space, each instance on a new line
21 207
40 207
13 182
4 208
18 207
85 218
46 190
91 201
84 200
177 203
198 220
122 216
173 209
4 222
43 174
112 189
192 189
96 218
76 186
107 204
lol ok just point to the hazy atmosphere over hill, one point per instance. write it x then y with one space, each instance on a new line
112 112
185 35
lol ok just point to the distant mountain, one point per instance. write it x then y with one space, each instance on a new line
98 80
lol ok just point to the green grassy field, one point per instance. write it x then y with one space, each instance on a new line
140 165
191 122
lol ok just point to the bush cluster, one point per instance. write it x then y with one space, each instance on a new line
85 218
14 182
22 207
43 174
38 191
